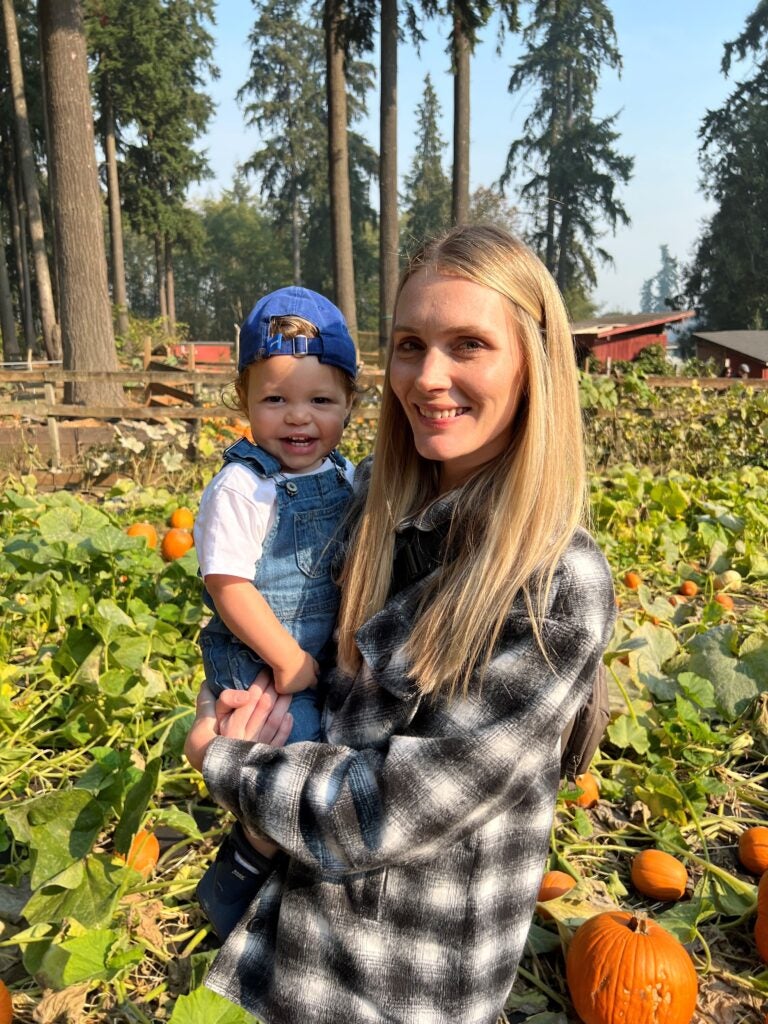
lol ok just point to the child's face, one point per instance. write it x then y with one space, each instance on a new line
296 408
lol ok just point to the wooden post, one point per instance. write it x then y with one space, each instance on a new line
190 355
608 367
53 428
147 351
237 345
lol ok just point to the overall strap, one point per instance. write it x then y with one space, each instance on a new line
250 455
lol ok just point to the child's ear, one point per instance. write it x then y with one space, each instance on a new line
348 417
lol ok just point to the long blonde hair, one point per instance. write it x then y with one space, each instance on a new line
514 517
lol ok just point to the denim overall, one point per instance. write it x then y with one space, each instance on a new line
293 575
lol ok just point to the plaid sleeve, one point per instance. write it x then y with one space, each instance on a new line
457 766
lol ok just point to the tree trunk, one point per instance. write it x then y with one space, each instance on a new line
461 55
18 233
162 296
563 244
170 286
338 169
119 294
7 323
389 240
86 316
51 336
296 237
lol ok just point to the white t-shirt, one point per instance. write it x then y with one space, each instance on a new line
237 511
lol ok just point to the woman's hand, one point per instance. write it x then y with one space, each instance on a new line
258 714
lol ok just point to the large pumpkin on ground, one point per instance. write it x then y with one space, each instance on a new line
624 969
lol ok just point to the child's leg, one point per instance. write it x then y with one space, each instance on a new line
242 862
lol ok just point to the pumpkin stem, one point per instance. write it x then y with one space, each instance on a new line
639 922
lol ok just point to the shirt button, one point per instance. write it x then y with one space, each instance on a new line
291 487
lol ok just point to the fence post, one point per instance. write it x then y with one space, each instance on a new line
147 351
53 427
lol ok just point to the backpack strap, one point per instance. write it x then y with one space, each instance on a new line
581 737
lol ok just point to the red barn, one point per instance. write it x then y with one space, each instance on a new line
732 350
622 337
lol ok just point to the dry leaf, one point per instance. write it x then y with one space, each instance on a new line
65 1006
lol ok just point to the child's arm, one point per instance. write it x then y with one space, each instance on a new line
246 614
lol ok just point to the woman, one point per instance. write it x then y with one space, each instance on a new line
474 614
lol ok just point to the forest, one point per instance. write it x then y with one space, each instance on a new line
101 242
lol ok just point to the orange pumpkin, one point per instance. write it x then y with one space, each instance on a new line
589 795
761 925
725 600
688 588
753 849
176 543
182 518
6 1005
554 884
659 875
145 530
632 580
624 969
144 853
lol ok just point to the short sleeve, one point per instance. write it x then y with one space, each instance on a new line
236 512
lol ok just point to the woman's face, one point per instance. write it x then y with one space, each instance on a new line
458 371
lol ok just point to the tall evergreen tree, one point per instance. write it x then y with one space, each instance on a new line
467 18
120 42
661 292
388 206
726 280
427 196
162 160
86 319
51 331
286 104
286 101
572 189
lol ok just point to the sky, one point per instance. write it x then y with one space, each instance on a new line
671 51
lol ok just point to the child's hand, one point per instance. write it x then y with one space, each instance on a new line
299 673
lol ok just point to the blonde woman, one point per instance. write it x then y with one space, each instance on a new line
474 614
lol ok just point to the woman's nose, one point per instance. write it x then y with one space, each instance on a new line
434 371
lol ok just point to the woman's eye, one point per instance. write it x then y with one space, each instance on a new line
406 345
471 344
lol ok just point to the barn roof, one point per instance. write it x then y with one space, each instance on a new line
749 343
611 325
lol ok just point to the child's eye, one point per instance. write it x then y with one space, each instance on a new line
273 399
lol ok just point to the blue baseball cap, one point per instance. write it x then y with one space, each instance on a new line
333 344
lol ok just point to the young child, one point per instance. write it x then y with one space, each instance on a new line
266 534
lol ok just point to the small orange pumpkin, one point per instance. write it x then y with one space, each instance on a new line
659 875
182 518
725 600
688 588
753 849
632 580
624 969
762 895
554 884
176 543
589 795
145 530
6 1005
144 853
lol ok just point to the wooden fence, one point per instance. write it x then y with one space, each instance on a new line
36 393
